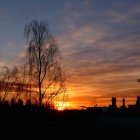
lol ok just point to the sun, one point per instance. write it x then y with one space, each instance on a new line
60 108
62 105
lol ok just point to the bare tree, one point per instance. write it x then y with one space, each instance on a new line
8 78
44 58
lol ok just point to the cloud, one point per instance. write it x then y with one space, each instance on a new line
3 63
102 60
124 13
12 44
99 41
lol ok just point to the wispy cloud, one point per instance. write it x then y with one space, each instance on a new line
99 41
103 59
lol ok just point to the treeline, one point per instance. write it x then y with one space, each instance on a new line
16 83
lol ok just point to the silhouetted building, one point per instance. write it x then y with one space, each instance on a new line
137 105
114 102
138 101
123 102
131 106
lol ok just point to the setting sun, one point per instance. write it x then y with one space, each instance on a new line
61 105
60 108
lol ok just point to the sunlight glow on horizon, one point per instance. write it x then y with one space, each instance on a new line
60 108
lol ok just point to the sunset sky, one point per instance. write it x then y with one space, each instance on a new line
99 41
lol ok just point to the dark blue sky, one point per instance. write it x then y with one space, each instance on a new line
99 40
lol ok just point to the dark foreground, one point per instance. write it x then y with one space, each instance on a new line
40 123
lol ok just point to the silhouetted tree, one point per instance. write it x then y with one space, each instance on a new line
8 78
12 81
13 102
44 58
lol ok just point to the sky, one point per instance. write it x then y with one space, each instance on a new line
99 41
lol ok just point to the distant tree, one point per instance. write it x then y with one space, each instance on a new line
12 81
44 60
7 79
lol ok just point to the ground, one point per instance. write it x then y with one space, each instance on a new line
72 124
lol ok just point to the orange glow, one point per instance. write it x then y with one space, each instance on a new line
60 108
60 105
89 97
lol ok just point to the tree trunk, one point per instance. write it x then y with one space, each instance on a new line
39 79
40 94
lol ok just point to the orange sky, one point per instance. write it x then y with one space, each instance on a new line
78 98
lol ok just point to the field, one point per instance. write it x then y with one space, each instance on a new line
40 123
